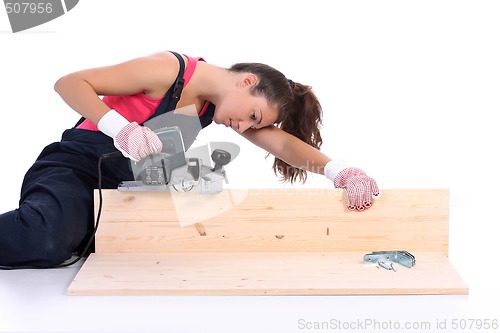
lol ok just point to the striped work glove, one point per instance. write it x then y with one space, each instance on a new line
360 188
131 139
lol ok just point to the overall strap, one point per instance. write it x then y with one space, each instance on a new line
169 101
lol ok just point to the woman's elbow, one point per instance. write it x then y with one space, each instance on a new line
64 83
60 83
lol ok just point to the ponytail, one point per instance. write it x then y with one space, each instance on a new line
302 119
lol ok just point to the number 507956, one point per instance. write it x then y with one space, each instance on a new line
28 8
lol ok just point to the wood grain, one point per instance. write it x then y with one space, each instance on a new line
273 220
259 273
267 242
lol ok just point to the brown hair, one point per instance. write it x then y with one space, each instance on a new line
300 112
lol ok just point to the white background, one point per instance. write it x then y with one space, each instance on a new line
410 94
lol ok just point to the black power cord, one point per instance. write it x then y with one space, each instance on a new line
79 256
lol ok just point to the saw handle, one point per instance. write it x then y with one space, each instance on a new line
220 158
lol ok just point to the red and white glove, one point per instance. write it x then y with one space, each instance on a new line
360 188
131 139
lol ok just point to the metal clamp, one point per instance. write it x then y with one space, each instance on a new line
404 258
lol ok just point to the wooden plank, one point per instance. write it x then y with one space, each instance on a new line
258 273
267 242
271 220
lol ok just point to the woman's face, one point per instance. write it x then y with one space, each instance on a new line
241 110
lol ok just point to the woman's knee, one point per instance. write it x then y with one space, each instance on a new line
28 239
47 250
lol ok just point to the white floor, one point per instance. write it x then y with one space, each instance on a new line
36 301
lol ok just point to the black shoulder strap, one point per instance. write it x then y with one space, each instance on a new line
173 95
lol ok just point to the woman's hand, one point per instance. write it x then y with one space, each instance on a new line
360 188
134 141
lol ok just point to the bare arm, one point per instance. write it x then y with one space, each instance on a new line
152 75
288 148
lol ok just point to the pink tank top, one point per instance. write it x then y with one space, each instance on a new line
140 107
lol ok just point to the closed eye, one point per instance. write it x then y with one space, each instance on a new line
254 118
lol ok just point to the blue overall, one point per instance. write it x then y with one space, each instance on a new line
55 217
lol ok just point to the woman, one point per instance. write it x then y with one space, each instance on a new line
56 206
